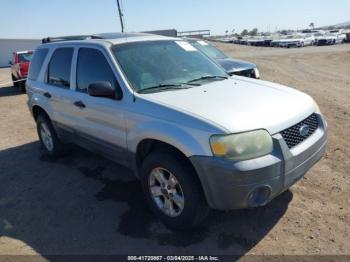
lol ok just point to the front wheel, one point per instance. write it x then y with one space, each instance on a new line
173 191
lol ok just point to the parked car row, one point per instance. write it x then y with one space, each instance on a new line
296 40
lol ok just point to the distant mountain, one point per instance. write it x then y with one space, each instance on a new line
340 25
345 24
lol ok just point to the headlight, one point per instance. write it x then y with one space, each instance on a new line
242 146
256 72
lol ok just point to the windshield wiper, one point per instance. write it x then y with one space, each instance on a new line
207 77
161 87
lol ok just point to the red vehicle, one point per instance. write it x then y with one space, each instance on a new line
19 67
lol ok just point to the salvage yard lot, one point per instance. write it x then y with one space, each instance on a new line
84 204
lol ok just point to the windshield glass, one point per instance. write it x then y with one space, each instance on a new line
25 57
159 63
208 49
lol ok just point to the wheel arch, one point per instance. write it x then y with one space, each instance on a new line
37 110
147 146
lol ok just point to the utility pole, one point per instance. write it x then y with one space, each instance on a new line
120 16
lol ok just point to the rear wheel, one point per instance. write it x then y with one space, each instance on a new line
22 86
48 136
173 191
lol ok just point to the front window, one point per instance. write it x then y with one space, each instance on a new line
152 64
92 67
208 49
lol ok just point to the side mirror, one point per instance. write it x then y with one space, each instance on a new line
10 62
102 89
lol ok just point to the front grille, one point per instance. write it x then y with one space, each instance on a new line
247 73
292 135
324 42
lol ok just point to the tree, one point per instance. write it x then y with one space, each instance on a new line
244 32
254 32
312 25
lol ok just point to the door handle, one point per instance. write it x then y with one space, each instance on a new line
79 104
47 94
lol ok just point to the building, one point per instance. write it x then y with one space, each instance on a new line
194 33
167 32
8 46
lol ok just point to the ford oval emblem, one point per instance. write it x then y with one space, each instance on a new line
304 130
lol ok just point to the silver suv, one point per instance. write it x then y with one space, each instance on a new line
196 137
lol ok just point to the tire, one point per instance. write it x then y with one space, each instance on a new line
195 208
22 86
14 79
48 136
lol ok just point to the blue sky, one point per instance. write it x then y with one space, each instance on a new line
40 18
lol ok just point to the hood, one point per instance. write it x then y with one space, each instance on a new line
235 65
239 104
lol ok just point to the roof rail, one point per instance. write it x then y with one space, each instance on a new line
69 38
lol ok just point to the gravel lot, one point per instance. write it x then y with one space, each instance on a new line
84 204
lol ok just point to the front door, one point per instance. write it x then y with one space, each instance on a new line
100 120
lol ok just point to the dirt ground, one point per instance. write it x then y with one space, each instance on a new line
84 204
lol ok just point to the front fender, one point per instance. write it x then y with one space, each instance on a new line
189 141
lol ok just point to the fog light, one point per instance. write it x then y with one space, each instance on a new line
259 197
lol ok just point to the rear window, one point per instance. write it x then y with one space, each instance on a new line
36 63
25 57
59 69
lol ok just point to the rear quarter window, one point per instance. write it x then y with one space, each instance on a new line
36 63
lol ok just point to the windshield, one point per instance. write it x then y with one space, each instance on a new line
25 57
208 49
153 64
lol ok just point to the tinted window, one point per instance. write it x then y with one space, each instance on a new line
36 63
23 58
58 72
92 67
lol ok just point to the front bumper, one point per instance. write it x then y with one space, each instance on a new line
291 44
326 42
234 185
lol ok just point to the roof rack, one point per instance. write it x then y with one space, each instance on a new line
69 38
87 37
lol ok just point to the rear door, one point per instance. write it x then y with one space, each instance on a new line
100 121
58 92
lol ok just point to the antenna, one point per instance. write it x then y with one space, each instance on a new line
120 16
